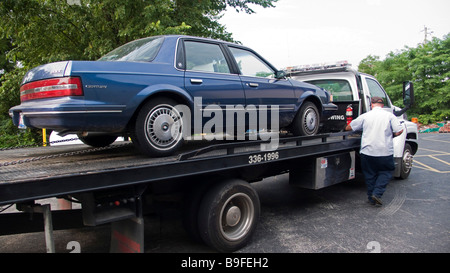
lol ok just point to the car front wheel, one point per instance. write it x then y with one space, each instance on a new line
307 121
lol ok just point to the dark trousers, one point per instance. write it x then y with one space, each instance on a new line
377 173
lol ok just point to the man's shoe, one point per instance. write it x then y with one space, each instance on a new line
377 200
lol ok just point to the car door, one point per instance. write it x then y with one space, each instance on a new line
208 75
260 85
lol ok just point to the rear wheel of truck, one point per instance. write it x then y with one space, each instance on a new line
158 128
228 215
191 205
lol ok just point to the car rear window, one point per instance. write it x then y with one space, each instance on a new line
142 50
340 89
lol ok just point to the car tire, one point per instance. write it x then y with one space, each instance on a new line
158 128
228 215
97 140
307 121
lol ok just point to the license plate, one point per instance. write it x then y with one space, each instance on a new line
21 123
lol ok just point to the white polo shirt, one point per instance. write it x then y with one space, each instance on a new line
378 127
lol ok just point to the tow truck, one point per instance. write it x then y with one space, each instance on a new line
351 91
118 186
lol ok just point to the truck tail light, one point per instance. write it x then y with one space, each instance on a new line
50 88
349 114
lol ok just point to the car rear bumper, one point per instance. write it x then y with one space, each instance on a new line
69 115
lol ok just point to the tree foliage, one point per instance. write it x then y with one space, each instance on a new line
428 66
35 32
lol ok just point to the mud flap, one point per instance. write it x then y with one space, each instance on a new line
127 236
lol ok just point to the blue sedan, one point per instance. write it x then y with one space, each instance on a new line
136 91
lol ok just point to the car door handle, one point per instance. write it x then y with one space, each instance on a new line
252 84
196 81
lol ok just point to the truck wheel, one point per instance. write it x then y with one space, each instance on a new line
97 140
407 162
191 205
228 215
158 128
307 121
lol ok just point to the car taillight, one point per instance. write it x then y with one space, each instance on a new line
50 88
349 114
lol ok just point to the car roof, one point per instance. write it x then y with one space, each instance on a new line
177 36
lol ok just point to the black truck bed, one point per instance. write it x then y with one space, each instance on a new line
34 173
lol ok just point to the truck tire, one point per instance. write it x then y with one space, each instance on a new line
158 128
307 121
191 205
97 140
228 215
407 161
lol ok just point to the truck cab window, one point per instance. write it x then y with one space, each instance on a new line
377 91
340 89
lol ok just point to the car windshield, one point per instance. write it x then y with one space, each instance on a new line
142 50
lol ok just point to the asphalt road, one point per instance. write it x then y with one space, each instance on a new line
414 219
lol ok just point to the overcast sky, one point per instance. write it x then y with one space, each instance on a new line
298 32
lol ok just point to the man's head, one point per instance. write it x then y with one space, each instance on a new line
377 102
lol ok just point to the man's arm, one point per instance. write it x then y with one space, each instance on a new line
396 126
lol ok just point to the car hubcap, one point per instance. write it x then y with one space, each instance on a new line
163 127
237 216
310 120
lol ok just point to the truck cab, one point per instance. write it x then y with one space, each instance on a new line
352 91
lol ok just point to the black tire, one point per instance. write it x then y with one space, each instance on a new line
228 215
191 205
307 121
407 161
97 140
158 128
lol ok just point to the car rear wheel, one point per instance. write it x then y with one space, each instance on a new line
307 121
158 128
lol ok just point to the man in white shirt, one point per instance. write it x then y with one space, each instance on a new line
377 149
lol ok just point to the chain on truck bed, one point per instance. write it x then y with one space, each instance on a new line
66 154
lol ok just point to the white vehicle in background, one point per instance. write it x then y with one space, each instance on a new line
351 91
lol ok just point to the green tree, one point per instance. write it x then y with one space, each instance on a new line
428 66
35 32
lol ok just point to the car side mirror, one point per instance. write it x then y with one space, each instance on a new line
280 74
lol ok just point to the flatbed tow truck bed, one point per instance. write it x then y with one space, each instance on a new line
30 174
60 170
